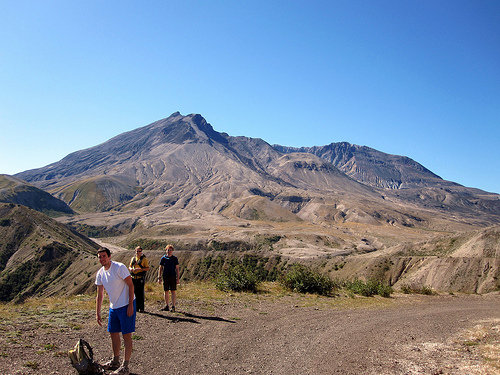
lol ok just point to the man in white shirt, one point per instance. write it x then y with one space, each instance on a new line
116 279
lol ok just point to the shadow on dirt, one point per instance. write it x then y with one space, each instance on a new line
207 317
172 318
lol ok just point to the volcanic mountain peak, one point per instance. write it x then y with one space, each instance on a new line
181 164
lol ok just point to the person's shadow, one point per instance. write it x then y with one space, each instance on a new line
217 318
188 315
174 319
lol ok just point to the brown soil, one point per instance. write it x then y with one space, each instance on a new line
279 335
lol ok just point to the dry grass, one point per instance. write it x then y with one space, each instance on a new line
484 338
207 293
199 291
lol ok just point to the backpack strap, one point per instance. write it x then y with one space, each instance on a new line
89 348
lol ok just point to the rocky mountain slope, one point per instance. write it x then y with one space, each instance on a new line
14 190
38 255
372 167
180 167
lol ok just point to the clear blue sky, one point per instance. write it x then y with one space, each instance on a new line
419 78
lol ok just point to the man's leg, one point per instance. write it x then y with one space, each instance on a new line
166 297
127 342
115 343
173 297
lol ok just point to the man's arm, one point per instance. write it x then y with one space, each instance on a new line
177 274
160 272
130 284
98 303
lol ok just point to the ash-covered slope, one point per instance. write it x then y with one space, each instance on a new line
180 167
405 181
181 163
14 190
372 167
38 255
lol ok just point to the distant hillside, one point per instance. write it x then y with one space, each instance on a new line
468 262
38 255
14 190
372 167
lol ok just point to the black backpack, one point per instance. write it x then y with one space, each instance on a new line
82 361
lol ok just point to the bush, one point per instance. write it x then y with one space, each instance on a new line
237 278
302 279
368 288
407 289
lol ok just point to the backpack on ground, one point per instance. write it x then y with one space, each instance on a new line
82 359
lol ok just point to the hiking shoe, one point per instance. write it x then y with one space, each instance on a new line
111 365
165 308
122 370
173 308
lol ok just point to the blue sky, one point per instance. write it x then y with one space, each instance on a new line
419 78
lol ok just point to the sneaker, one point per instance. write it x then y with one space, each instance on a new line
165 308
122 370
111 365
173 308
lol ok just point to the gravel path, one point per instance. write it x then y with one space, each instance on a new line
410 335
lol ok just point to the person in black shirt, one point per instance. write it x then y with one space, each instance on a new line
169 274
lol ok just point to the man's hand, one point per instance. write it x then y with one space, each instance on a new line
98 317
130 309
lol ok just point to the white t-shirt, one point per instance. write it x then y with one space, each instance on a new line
112 279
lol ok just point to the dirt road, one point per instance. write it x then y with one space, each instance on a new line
409 335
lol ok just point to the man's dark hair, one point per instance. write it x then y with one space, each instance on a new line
104 250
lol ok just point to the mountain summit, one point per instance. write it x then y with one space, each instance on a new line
180 167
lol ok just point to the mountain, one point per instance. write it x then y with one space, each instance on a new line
372 167
14 190
39 255
180 167
404 179
179 181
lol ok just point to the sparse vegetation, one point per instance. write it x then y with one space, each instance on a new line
408 289
368 288
32 364
237 278
94 231
302 279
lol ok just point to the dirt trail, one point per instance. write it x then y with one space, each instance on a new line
410 335
111 247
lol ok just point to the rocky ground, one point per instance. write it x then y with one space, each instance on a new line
268 334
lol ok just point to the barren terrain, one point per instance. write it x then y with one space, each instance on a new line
272 332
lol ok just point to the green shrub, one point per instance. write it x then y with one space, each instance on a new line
368 288
407 289
237 278
302 279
